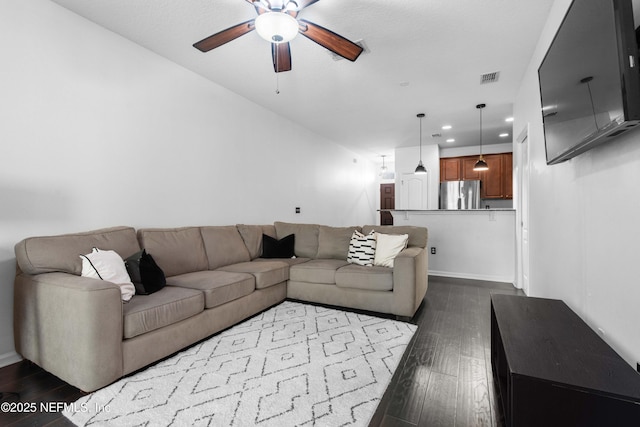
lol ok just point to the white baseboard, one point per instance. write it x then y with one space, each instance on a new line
501 279
9 359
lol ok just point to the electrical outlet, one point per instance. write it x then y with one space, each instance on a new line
433 250
297 210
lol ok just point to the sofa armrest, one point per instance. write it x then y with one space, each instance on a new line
71 326
410 280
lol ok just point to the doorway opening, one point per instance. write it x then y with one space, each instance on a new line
387 201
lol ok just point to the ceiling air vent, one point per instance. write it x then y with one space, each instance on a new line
489 77
360 43
436 135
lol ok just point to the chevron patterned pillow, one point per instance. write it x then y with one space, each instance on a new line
362 249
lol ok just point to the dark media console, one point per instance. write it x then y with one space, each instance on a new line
552 369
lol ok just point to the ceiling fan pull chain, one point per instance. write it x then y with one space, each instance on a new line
277 84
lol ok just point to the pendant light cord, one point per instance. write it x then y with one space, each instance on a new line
420 138
480 132
481 107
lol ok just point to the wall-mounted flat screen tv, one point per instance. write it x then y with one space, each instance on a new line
590 79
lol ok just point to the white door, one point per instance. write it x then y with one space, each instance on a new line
523 208
414 191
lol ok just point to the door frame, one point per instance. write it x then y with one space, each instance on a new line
391 185
522 211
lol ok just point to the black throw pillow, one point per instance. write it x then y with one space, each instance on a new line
145 274
274 248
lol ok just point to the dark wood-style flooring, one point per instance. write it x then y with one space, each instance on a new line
444 378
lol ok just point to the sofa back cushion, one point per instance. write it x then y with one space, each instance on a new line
418 236
175 250
333 242
252 237
224 246
306 244
36 255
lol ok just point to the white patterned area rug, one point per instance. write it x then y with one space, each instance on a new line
292 365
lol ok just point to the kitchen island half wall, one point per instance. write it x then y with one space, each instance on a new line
471 244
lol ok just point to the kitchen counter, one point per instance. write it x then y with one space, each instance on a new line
426 211
469 243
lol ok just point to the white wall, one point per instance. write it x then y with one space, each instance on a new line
584 220
470 244
475 150
97 131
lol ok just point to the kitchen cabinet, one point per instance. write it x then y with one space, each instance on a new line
507 168
492 186
467 168
450 169
497 182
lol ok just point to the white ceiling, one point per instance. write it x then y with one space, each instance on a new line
424 56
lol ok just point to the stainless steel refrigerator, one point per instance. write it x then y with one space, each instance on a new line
460 195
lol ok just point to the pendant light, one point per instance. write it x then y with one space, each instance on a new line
480 165
420 170
383 169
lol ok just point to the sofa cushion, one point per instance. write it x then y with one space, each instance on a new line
362 249
108 266
224 246
219 287
361 277
176 250
145 313
252 236
418 236
267 273
274 248
333 242
316 271
306 244
388 246
47 254
145 274
288 261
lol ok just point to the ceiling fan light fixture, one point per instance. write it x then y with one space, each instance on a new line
276 27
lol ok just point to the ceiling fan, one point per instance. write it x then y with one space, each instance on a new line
278 23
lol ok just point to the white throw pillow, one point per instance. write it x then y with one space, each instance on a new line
109 266
362 249
388 246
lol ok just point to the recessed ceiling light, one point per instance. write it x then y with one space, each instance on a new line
446 127
503 135
508 119
451 140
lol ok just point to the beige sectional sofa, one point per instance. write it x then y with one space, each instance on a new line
79 329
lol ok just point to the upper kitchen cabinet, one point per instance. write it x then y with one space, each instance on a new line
507 167
467 168
450 169
497 182
492 186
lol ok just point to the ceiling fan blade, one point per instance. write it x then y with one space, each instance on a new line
225 36
304 3
281 53
330 40
260 6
